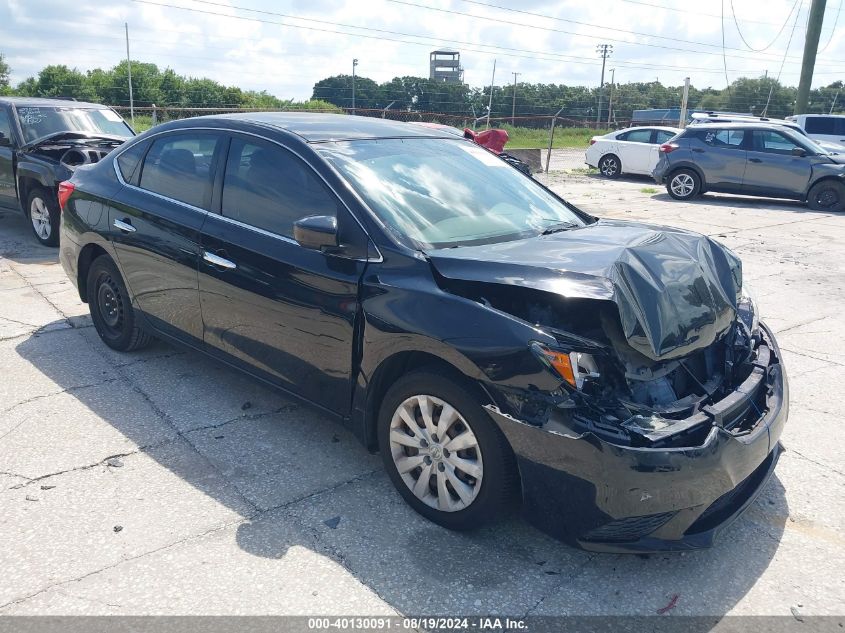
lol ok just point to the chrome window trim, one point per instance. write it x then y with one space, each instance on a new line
284 238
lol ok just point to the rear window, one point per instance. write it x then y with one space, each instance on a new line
825 125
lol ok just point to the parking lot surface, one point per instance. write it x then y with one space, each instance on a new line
163 483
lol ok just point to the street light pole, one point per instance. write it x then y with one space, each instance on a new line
354 64
513 109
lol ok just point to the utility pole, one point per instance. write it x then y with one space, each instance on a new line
684 101
129 72
811 47
610 101
833 105
490 103
513 109
354 64
605 50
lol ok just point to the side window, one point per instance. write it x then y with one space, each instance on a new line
129 161
662 136
269 188
728 139
637 136
821 125
178 166
773 142
5 125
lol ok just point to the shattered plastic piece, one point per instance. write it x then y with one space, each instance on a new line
47 487
796 614
31 498
647 424
118 528
675 291
114 462
333 522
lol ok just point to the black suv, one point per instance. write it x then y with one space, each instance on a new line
42 142
755 159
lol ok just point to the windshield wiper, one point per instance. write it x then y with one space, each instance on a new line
557 227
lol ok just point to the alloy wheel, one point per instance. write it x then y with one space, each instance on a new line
39 215
608 166
436 453
682 185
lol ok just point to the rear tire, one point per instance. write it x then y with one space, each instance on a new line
462 488
111 309
610 166
683 184
827 195
42 210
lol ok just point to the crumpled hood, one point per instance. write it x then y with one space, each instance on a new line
675 291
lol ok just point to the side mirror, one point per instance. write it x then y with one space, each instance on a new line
799 151
317 232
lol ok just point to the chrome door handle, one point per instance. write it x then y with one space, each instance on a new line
216 260
124 226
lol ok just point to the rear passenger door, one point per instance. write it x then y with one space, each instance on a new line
283 311
154 222
721 156
634 151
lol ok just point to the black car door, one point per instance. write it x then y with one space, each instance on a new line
284 311
8 192
154 222
772 167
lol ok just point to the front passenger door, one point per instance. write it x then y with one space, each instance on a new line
773 169
283 311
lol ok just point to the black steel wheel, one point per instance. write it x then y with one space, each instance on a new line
111 308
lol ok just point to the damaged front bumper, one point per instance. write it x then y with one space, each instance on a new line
603 496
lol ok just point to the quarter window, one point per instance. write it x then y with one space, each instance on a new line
178 166
129 161
269 188
728 139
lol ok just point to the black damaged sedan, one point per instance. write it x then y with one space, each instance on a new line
499 346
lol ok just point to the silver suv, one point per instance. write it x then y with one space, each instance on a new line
755 159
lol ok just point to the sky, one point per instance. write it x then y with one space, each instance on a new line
285 46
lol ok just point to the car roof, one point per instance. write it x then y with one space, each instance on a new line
46 102
665 128
316 127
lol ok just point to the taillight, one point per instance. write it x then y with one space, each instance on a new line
668 148
65 189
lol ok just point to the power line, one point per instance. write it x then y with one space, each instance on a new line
599 26
530 54
835 22
769 45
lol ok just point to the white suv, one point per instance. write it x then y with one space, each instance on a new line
829 128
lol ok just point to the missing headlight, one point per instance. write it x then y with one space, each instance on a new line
746 310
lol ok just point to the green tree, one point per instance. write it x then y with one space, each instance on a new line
58 81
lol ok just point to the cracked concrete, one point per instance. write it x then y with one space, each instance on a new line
163 483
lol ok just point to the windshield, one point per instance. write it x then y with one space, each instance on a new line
39 121
442 193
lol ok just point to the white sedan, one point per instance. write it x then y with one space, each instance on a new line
632 151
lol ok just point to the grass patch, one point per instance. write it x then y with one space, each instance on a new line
648 190
584 171
565 137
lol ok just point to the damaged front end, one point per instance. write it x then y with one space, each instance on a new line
670 399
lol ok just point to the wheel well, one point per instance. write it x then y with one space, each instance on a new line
390 370
825 179
88 254
25 186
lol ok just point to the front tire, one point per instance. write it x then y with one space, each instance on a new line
443 453
610 166
827 195
111 309
683 184
43 213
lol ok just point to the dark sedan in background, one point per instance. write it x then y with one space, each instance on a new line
498 345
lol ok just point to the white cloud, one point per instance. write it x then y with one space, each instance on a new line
268 52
